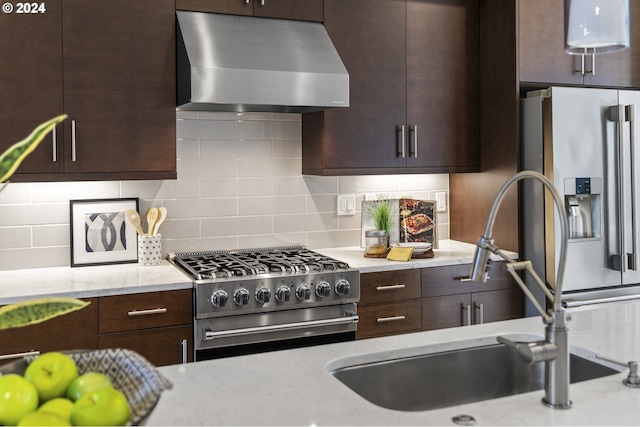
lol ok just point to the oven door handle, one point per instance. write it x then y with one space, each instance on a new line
210 335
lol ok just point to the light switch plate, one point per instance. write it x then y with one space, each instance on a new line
441 202
346 204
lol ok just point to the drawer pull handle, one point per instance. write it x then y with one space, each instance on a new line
389 287
390 319
145 312
464 279
16 355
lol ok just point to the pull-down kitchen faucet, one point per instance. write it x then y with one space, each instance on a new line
554 350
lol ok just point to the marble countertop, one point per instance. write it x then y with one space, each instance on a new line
294 387
87 282
117 279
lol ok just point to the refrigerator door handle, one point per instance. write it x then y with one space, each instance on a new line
630 116
616 260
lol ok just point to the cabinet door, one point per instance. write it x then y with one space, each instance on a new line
387 286
388 319
31 82
301 10
443 85
231 7
493 306
621 69
370 37
446 311
77 330
161 346
119 88
541 44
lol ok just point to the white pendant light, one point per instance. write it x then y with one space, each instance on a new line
596 26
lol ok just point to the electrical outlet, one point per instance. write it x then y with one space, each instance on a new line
441 202
346 204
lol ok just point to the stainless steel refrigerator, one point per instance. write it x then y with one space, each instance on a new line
583 139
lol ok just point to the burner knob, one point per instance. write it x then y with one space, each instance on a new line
219 298
303 292
241 296
283 293
263 295
342 287
323 289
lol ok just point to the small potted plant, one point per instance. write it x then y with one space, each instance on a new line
382 212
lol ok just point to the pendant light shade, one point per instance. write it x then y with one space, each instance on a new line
596 26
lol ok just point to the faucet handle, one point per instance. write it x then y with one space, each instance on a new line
532 352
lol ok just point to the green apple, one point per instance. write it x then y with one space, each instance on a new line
104 407
18 397
43 418
89 381
60 406
51 373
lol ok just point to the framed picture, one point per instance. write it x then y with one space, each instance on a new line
100 234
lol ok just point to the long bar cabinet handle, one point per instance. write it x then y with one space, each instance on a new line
54 143
414 130
389 287
466 309
73 140
403 152
390 319
480 308
184 346
16 355
146 312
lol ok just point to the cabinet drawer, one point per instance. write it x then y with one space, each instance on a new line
161 346
146 310
437 281
388 319
387 286
77 330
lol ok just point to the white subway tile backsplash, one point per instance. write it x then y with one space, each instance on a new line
239 185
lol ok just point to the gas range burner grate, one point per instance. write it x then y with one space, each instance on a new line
253 262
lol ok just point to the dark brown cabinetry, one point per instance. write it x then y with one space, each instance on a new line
157 325
542 57
389 303
115 82
73 331
413 90
449 299
300 10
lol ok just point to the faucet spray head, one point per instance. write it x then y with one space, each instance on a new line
481 258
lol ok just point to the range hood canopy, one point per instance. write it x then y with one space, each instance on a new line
244 63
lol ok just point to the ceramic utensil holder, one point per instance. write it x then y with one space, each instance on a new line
149 249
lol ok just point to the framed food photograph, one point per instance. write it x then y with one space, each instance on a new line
100 233
418 221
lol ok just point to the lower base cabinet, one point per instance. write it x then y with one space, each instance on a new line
157 325
73 331
449 299
402 301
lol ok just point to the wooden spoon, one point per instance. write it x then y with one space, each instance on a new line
162 215
152 217
134 218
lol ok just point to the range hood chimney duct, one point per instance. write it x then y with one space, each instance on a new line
244 63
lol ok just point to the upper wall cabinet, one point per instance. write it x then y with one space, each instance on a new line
414 90
110 66
300 10
542 58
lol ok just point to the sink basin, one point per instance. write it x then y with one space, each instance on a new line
438 380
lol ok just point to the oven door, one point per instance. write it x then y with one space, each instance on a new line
298 325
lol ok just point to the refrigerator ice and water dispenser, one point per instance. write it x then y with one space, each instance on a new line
583 204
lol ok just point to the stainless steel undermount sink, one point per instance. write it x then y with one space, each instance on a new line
438 379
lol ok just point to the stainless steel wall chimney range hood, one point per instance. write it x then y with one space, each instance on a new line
243 63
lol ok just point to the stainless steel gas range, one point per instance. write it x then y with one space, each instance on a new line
255 300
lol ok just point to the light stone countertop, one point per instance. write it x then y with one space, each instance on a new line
118 279
89 281
449 252
294 387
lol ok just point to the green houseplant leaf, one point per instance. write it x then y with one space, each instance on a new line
14 155
37 310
